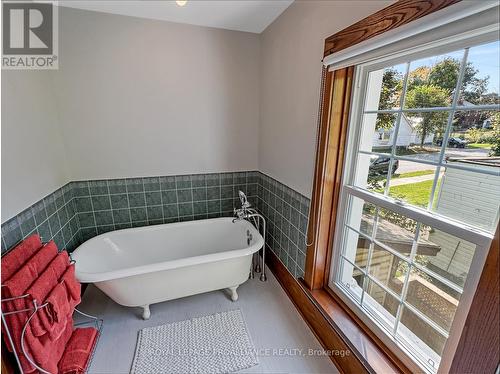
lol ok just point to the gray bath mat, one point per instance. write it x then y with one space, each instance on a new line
218 343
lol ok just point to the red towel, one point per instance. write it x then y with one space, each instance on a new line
73 287
61 302
16 258
58 304
40 289
46 352
17 285
77 354
19 282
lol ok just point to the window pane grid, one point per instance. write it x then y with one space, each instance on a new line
404 258
430 206
433 163
433 109
407 277
427 320
432 274
450 123
385 288
434 186
370 254
353 264
401 300
366 236
380 244
387 248
396 129
441 163
474 235
384 319
378 317
410 261
348 288
367 277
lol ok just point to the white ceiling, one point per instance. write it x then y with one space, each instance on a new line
241 15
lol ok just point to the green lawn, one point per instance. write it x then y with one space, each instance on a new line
479 145
415 193
413 174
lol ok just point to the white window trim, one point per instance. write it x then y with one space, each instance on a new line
480 238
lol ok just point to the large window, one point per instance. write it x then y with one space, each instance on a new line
421 194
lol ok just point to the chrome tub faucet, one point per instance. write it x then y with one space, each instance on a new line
250 214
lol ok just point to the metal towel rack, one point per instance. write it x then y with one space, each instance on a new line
98 324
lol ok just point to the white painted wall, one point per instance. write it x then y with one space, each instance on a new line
142 97
291 53
133 97
33 158
137 97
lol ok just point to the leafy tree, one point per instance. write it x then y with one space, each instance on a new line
473 135
495 122
418 77
434 86
495 149
445 75
389 98
426 96
475 92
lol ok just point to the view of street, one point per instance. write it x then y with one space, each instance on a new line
409 166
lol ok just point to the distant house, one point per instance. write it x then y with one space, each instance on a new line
407 136
487 124
469 198
473 119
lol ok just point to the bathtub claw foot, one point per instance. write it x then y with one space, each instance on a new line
146 312
234 294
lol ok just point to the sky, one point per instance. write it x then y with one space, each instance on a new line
485 58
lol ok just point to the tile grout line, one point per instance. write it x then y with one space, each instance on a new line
273 196
161 200
128 204
292 264
145 202
110 205
92 205
48 217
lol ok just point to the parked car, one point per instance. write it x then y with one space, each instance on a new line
380 165
453 142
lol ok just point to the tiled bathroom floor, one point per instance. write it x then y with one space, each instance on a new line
272 320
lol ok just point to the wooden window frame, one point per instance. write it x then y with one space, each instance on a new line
478 346
328 175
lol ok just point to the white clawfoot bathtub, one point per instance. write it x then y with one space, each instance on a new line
146 265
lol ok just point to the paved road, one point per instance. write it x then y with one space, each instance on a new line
409 166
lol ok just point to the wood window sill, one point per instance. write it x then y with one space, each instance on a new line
363 343
336 328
